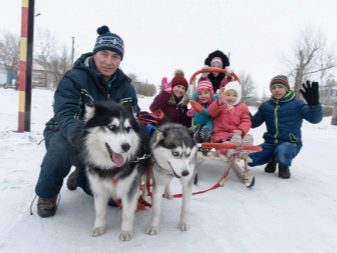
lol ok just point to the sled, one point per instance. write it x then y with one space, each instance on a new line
214 70
231 153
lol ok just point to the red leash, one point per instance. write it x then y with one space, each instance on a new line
179 195
217 185
142 203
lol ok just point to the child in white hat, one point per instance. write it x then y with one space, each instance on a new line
230 116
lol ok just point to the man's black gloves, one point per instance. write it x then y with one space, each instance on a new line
310 92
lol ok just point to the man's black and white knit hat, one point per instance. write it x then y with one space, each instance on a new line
107 40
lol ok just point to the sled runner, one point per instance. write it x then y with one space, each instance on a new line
231 153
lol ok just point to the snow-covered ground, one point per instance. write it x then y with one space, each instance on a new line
288 216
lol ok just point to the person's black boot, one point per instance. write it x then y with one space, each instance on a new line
271 166
112 203
196 179
205 134
46 207
72 180
283 172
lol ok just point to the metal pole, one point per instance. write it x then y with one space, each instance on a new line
25 68
72 49
28 104
23 65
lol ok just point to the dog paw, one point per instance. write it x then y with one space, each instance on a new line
97 231
152 231
125 236
184 226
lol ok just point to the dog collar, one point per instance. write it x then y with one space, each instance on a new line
145 156
164 171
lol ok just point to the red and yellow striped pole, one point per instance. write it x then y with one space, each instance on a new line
25 64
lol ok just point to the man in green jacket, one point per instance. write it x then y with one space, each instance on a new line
283 115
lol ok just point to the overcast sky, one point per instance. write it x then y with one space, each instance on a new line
163 35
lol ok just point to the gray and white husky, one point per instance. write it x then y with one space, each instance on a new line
173 151
115 151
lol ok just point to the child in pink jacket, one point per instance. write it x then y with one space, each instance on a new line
230 117
173 100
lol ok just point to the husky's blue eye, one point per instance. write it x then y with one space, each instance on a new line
128 129
175 153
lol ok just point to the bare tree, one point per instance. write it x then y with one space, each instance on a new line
51 58
133 78
10 52
58 64
249 95
44 48
141 88
330 98
311 58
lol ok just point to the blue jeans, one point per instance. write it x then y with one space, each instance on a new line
56 165
283 153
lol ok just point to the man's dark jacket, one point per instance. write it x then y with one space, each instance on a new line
84 85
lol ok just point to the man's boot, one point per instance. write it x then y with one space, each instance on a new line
271 166
72 180
283 172
46 207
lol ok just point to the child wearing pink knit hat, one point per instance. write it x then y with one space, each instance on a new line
202 99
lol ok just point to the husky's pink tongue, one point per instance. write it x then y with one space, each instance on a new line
118 159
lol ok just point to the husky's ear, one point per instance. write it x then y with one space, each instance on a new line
89 112
158 136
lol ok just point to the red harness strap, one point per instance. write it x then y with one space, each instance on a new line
142 203
179 195
217 185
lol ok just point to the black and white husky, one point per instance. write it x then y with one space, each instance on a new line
174 152
115 151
